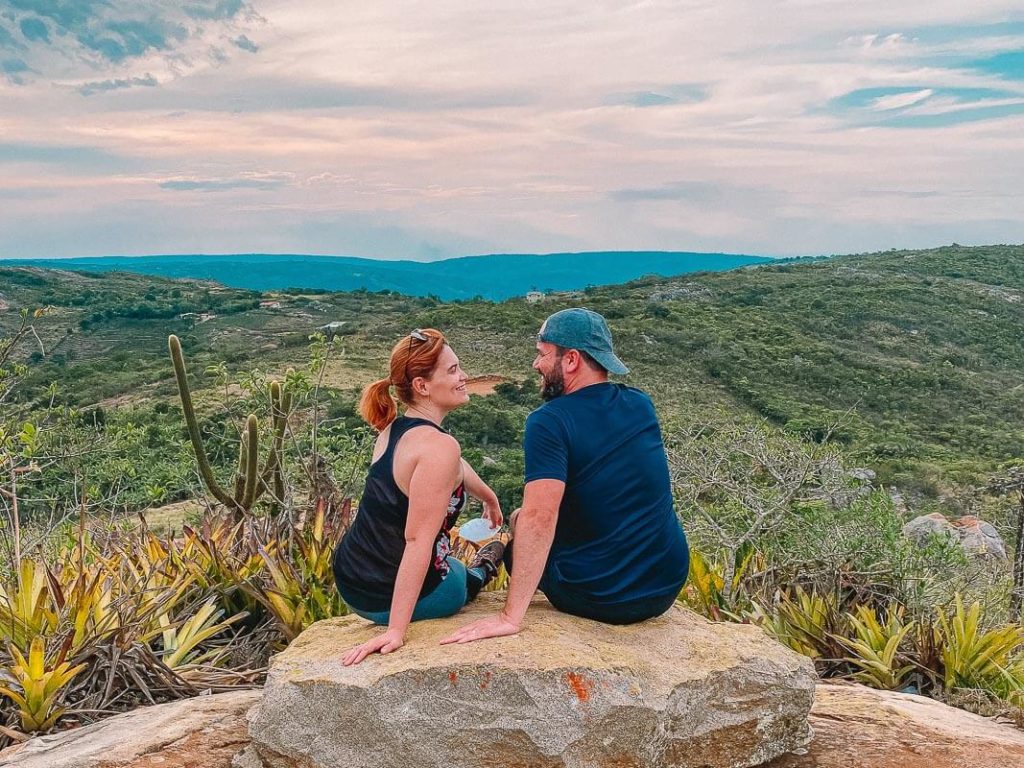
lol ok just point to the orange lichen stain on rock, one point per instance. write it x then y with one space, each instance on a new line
579 685
486 682
453 677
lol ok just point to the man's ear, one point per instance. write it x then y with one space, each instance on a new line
573 360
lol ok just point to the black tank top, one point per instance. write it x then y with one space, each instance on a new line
366 560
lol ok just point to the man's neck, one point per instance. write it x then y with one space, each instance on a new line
586 378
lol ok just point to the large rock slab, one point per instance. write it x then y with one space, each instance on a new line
857 727
674 691
203 732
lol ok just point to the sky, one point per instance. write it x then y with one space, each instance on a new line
431 130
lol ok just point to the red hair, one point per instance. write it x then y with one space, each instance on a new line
411 358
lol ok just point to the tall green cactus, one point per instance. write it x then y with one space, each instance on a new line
251 482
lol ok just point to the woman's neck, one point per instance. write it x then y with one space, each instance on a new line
426 411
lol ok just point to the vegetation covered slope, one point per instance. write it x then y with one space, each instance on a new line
913 360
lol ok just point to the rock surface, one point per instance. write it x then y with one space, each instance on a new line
978 538
204 732
857 727
854 727
673 691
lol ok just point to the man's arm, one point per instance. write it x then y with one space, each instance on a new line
535 530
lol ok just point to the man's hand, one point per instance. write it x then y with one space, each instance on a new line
498 625
386 643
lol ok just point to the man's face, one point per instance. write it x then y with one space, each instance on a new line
548 364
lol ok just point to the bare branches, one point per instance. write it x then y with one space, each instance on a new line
745 481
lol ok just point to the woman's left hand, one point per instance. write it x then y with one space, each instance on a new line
386 643
492 513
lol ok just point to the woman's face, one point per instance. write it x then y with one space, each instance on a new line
446 386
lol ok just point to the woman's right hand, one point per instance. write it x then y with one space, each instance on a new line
390 641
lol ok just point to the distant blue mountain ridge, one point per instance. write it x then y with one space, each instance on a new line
495 277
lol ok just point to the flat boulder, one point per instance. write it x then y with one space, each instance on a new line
857 727
205 731
673 691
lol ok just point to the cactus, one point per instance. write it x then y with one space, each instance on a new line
251 482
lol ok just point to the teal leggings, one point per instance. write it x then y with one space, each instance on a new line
458 588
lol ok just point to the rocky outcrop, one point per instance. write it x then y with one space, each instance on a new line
203 732
673 691
978 538
854 727
857 727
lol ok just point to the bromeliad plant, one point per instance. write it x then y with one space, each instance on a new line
101 624
974 657
36 685
705 589
301 587
875 648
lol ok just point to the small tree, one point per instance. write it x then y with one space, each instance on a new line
744 482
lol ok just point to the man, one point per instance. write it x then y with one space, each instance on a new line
597 531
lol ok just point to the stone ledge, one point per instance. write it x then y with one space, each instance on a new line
674 691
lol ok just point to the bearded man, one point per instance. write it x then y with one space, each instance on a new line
597 532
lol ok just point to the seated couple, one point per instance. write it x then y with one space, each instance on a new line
597 533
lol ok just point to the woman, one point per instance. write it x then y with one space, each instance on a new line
393 566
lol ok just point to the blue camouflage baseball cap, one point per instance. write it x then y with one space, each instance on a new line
585 330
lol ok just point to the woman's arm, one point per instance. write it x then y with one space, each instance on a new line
478 489
435 471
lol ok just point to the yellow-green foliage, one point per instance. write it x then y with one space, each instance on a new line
135 615
38 684
807 622
875 647
301 589
974 657
705 586
130 593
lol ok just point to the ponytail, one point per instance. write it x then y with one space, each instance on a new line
377 406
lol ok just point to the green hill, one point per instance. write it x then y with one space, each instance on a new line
495 277
912 360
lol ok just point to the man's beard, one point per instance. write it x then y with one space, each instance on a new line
552 384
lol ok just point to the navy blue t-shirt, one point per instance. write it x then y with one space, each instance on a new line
618 538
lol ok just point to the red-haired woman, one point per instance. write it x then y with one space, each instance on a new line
393 566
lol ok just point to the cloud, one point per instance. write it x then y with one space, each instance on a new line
100 34
451 127
686 93
679 190
102 86
901 100
245 44
64 156
263 182
920 107
272 93
214 11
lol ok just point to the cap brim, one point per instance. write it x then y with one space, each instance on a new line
610 362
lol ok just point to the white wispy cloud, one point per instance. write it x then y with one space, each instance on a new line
397 129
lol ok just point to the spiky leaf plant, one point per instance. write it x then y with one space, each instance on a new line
38 685
875 647
974 657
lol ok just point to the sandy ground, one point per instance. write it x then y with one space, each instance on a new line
484 385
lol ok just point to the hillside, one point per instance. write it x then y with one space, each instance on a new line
495 277
912 360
